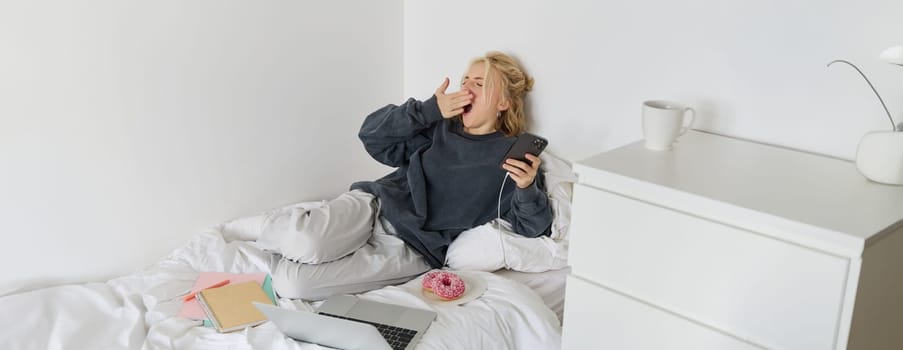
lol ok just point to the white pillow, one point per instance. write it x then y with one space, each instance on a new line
482 248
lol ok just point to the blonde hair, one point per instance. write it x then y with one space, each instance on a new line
514 83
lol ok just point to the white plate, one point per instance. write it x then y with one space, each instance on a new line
474 286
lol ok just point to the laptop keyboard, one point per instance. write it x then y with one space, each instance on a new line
397 337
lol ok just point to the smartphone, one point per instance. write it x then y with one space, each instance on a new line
525 143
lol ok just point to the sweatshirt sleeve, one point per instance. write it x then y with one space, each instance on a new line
530 214
392 133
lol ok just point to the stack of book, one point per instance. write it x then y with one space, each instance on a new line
224 300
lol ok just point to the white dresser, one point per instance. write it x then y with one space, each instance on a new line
729 244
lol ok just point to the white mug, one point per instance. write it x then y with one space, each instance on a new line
663 122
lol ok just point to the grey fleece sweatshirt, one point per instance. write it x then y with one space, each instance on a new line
446 180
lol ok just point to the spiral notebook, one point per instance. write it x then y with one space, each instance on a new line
230 307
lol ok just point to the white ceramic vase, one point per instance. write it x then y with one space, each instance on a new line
880 157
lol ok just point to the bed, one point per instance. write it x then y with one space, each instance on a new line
549 285
519 309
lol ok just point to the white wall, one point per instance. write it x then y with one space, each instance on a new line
128 126
752 68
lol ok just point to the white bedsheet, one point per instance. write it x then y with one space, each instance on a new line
138 311
550 285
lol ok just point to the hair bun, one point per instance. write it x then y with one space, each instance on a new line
528 83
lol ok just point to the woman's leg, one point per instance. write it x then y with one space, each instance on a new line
323 232
384 260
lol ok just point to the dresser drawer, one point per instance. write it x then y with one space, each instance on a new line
596 318
768 291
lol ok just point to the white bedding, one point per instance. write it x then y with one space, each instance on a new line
550 285
138 311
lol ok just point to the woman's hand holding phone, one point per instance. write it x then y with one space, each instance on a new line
452 104
522 159
522 173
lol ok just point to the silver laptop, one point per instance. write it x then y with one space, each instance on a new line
348 322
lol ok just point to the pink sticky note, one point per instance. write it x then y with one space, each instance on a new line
192 309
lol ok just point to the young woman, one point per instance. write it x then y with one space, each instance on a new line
447 151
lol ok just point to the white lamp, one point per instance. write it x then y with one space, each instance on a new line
879 156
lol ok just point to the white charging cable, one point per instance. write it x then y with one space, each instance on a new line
498 221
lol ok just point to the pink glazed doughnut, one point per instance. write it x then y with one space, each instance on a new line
448 286
429 278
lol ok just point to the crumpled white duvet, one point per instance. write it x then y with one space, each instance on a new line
138 311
